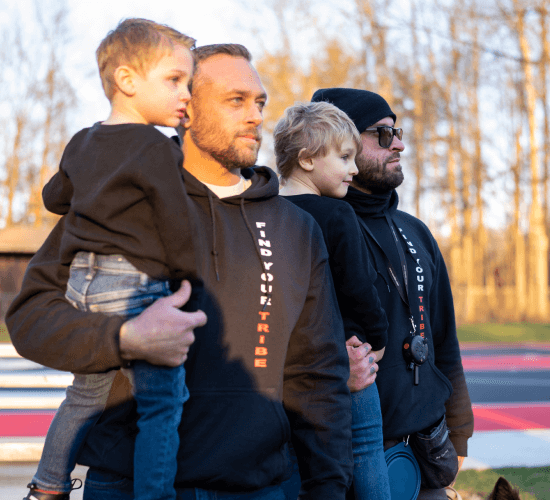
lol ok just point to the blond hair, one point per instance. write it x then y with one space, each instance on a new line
135 43
310 130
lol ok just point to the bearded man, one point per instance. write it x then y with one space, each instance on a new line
269 365
420 379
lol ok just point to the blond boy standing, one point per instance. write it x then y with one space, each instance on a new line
315 148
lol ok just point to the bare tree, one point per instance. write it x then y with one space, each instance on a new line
16 87
544 62
39 97
445 68
56 96
538 240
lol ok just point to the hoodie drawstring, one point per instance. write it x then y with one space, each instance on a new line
214 251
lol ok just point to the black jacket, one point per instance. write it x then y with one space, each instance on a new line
407 408
122 189
257 377
351 267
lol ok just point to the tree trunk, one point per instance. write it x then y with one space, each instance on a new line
14 165
544 62
418 115
518 238
538 240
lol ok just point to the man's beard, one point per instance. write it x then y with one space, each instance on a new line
210 138
375 177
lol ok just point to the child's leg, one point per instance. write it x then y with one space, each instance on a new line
117 287
111 285
160 392
82 406
370 473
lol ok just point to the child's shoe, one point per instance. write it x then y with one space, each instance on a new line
33 494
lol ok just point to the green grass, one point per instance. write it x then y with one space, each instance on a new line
509 332
4 336
533 482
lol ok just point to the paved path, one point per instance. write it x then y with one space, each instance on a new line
15 476
510 390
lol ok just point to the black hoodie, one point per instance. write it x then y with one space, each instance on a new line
351 268
258 376
407 408
122 190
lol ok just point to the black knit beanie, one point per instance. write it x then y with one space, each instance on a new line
363 107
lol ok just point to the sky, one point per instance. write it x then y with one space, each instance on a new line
208 21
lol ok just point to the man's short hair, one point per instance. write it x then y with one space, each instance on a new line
310 130
230 49
135 42
206 51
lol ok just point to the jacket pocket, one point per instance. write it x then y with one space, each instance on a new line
436 456
438 372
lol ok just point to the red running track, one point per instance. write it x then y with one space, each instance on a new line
486 418
506 363
511 416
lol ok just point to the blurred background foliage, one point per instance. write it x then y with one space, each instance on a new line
468 81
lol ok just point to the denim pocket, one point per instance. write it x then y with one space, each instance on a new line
102 485
436 457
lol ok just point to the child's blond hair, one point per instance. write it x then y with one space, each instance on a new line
310 130
135 43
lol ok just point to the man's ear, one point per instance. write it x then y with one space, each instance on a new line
305 163
125 80
188 116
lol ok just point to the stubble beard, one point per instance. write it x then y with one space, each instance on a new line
374 175
210 138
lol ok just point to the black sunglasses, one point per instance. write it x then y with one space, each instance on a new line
385 134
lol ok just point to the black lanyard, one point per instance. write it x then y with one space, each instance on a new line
401 289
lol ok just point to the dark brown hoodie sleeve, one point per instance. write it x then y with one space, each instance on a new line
316 396
45 328
458 408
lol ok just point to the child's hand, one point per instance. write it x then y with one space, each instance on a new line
362 364
162 334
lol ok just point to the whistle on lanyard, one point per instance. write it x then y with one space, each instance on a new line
415 352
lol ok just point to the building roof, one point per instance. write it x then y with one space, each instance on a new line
23 238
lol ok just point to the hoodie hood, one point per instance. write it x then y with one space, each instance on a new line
372 205
265 185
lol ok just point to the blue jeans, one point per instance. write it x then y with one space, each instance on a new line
106 486
370 472
112 285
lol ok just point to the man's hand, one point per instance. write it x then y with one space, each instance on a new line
162 333
362 364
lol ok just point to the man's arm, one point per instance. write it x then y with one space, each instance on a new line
459 414
162 333
46 329
315 394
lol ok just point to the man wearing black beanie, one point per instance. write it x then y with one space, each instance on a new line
420 379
